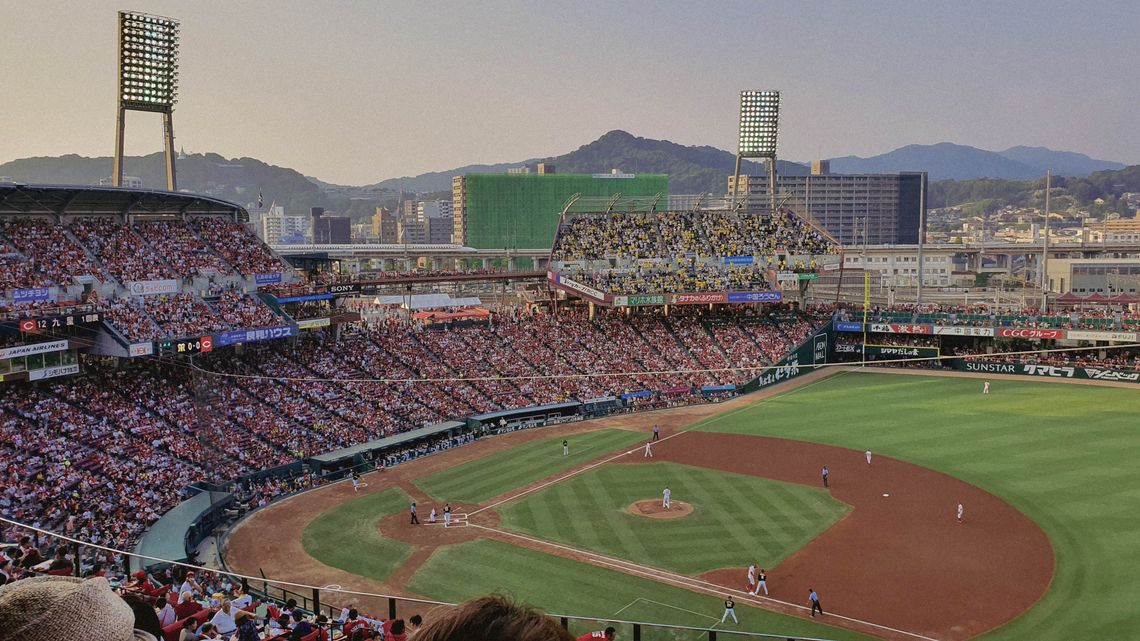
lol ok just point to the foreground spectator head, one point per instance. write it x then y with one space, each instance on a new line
55 607
492 618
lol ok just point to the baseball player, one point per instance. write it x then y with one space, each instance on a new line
824 474
447 515
986 387
868 455
415 521
431 517
565 448
665 497
814 598
355 483
729 606
656 432
648 449
961 512
761 582
751 578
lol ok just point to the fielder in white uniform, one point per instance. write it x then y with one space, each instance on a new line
666 495
751 578
961 511
868 455
986 387
431 517
648 449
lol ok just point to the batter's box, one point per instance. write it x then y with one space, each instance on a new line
458 520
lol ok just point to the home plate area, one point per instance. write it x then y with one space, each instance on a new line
458 519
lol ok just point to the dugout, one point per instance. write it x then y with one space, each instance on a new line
509 420
344 460
182 529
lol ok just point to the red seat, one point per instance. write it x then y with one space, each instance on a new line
202 616
172 631
59 572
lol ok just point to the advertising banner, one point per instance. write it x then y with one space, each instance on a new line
313 323
808 276
1081 335
698 298
755 297
889 351
739 260
255 335
898 328
52 372
849 327
1050 371
141 349
55 322
579 287
639 300
786 277
1011 332
344 289
955 330
302 299
31 295
267 279
34 348
152 287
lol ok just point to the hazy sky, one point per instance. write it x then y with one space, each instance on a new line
355 92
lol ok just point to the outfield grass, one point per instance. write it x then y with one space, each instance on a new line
562 586
736 518
345 536
1065 455
511 469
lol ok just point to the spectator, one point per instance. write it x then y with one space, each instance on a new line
493 618
51 608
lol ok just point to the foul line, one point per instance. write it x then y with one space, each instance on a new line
683 581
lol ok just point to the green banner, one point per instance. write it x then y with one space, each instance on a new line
639 300
808 276
889 351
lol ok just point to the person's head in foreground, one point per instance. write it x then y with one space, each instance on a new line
493 618
50 608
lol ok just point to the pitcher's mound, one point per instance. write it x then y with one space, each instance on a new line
652 508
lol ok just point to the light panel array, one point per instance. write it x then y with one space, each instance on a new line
148 61
759 123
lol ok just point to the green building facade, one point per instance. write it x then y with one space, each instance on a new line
520 211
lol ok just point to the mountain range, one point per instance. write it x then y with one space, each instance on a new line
691 169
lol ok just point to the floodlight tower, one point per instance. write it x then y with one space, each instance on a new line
148 80
759 125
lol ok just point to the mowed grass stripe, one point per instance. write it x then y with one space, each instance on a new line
499 473
1065 455
734 517
562 586
345 536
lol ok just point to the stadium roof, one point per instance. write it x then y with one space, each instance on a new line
77 200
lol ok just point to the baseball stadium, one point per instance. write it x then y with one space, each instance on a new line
686 426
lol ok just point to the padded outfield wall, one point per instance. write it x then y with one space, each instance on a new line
520 211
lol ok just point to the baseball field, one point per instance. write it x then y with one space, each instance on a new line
1044 472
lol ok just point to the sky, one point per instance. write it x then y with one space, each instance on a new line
353 92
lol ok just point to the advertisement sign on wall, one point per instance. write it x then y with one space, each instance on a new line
153 287
255 335
755 297
141 349
1009 332
698 298
52 372
267 279
1080 335
31 295
956 330
34 348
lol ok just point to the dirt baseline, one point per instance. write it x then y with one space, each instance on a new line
652 508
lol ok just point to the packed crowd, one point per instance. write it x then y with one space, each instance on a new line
88 447
50 250
1095 318
243 311
653 280
183 249
678 234
234 242
123 252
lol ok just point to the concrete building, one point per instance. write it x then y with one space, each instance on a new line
384 226
886 206
897 265
1105 276
412 232
129 182
433 209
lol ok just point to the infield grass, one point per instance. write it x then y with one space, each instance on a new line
1065 455
562 586
493 475
736 517
346 537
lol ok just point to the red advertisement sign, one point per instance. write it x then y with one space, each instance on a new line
698 298
1008 332
207 344
28 325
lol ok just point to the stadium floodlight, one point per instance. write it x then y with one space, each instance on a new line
759 129
759 123
148 79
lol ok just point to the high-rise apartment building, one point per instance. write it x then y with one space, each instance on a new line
876 209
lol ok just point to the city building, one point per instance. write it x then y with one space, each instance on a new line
433 209
384 226
876 209
412 232
897 266
1105 276
1123 229
520 211
129 182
